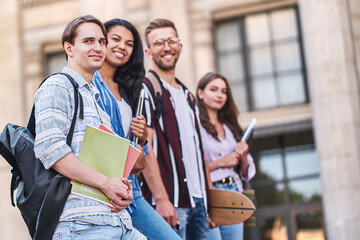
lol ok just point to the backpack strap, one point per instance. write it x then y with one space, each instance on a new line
60 187
155 82
192 101
77 98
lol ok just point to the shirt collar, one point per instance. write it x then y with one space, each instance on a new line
98 77
77 77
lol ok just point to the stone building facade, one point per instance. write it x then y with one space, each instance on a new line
292 64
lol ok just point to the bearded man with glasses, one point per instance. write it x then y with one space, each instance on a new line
175 179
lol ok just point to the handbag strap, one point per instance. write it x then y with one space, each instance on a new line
77 97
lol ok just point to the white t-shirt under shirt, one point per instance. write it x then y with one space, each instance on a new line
126 116
189 143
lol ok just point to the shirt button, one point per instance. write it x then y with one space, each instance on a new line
185 179
97 96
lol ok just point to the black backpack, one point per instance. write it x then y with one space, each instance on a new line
41 193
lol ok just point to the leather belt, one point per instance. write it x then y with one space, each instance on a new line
227 180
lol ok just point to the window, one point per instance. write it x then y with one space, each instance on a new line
54 62
287 170
261 56
287 188
292 173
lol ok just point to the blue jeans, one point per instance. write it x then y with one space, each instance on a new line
84 231
194 223
148 221
227 232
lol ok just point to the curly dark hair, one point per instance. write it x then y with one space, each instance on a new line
130 75
227 115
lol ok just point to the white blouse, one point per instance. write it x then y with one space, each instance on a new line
214 150
126 116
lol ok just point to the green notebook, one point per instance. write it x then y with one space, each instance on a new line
107 154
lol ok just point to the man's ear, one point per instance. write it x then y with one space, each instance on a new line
68 49
180 45
148 53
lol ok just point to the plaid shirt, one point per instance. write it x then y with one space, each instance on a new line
54 106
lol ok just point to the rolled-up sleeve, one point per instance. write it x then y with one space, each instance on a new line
251 169
52 117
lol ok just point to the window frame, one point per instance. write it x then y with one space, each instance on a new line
245 57
282 144
46 65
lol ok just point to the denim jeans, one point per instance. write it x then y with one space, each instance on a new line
194 223
148 221
227 232
84 231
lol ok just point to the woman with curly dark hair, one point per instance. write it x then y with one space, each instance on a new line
119 82
228 159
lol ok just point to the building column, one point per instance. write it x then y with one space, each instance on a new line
12 110
354 9
11 79
334 92
202 28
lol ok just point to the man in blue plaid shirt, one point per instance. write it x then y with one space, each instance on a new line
84 41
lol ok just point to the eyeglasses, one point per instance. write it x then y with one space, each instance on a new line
172 41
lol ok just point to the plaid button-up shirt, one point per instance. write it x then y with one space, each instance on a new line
54 106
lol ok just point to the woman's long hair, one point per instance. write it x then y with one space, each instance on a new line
130 75
227 115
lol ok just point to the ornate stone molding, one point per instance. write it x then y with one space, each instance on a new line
34 3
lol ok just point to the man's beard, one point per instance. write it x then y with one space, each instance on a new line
163 66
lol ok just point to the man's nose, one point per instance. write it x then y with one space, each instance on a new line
166 46
97 46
